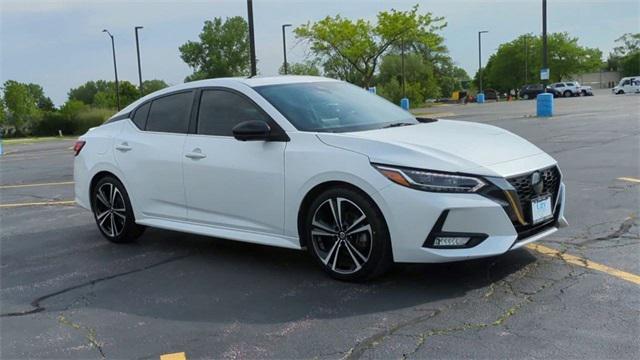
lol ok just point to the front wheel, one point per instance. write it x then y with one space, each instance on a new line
113 212
567 93
347 236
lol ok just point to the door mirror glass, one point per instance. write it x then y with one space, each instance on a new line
254 130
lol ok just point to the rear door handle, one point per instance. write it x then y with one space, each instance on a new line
124 147
195 154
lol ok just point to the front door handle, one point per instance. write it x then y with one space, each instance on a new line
196 154
124 147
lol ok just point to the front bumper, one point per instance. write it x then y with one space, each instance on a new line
412 215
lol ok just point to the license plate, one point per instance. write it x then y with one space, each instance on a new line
541 209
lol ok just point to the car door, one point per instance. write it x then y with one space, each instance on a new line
230 183
148 151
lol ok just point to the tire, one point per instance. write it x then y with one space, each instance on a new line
525 96
620 92
584 93
567 93
356 250
112 211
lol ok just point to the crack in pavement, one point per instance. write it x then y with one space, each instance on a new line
36 303
90 333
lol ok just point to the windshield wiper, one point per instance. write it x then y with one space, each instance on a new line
398 124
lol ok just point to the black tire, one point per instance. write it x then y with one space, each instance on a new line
338 253
620 92
108 197
567 93
584 93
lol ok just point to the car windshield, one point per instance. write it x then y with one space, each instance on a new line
334 107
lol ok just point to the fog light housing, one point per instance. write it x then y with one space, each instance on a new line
450 241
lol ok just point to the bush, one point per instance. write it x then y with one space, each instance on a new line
75 122
91 118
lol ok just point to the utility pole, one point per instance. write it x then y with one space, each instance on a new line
545 64
480 58
526 56
139 67
115 67
252 44
284 47
404 95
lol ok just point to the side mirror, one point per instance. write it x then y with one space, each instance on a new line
254 130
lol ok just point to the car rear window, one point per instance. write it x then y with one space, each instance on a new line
170 113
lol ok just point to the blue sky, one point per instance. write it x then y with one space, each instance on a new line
59 44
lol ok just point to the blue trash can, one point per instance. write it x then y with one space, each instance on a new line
404 103
544 105
480 98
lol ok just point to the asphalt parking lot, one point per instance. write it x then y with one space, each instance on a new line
66 292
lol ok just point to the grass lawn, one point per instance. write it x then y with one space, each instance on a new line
31 140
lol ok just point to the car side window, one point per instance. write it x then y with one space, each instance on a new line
170 113
140 117
569 84
559 85
626 82
221 110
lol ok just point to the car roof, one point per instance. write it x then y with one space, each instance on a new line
248 81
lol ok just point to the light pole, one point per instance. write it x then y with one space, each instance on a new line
284 47
480 58
544 39
526 55
404 95
115 67
252 43
138 51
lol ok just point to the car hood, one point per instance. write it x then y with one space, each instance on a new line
446 145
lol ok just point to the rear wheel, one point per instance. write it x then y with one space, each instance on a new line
112 211
347 236
620 92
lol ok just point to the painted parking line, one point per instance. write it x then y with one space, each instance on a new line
575 260
174 356
35 185
630 179
41 203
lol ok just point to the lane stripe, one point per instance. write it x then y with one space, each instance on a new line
174 356
629 179
34 185
42 203
575 260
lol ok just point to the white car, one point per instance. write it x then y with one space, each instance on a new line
315 163
567 89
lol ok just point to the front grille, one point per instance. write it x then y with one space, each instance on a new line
522 184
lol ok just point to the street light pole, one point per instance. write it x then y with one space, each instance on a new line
252 44
284 47
115 67
139 67
526 55
480 58
402 67
545 64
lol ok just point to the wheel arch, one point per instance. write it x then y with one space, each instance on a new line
97 177
317 190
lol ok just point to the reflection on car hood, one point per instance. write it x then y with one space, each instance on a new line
446 145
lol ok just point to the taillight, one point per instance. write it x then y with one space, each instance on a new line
78 146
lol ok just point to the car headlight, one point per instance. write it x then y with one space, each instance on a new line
429 180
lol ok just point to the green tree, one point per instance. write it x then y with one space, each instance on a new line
21 105
505 69
223 50
72 108
87 91
420 82
625 57
351 50
150 86
304 68
107 98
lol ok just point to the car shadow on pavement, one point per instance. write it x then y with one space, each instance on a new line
174 276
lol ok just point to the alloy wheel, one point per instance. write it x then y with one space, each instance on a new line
110 209
342 236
